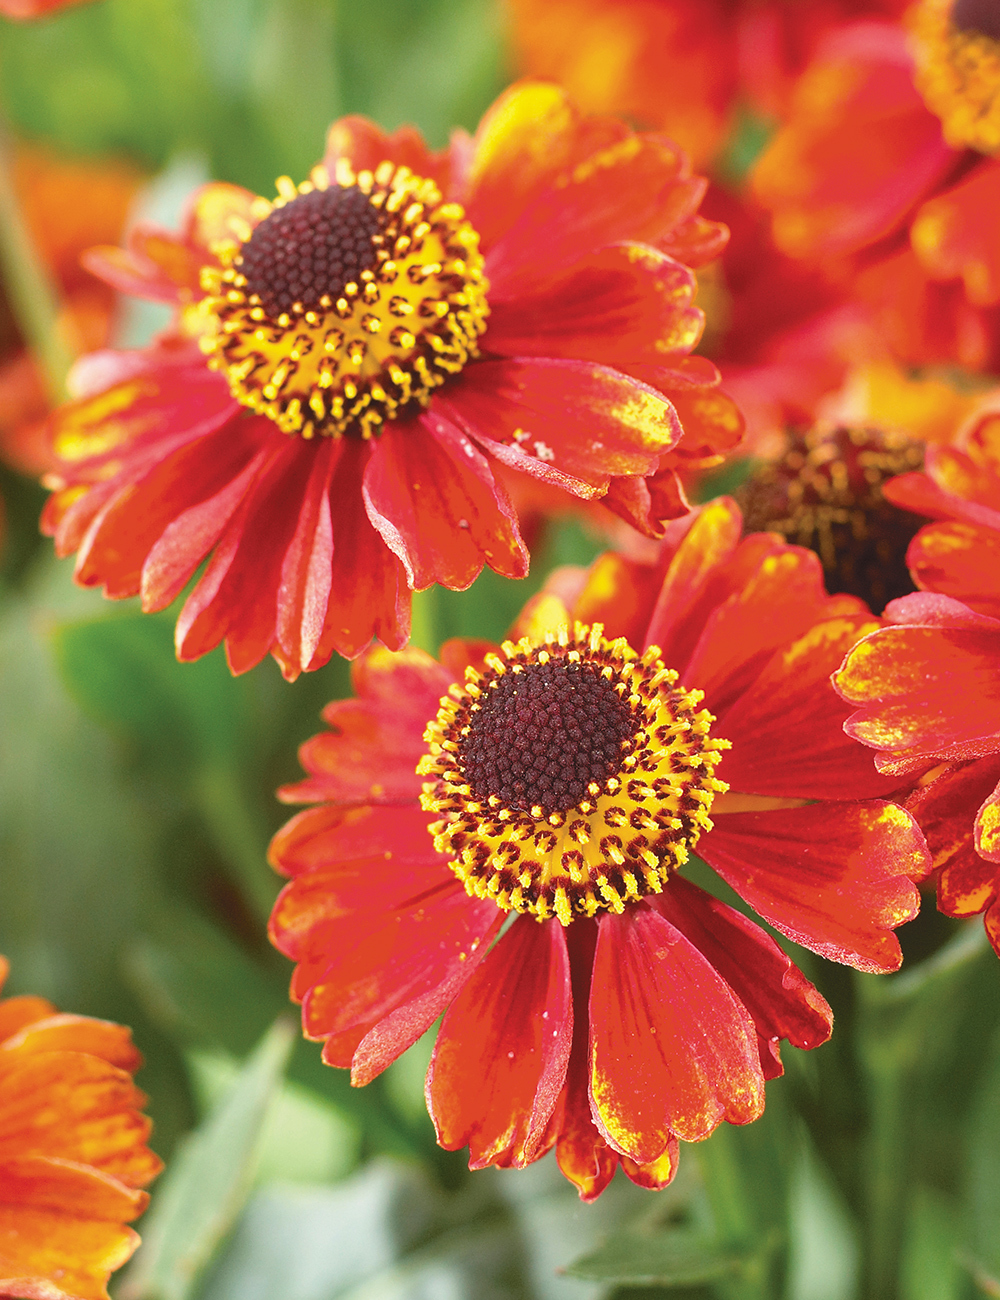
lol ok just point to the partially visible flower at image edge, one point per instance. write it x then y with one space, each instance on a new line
24 9
351 360
73 1154
500 836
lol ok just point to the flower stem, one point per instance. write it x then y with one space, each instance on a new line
29 285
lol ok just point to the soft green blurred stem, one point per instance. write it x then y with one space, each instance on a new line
29 286
235 828
736 1215
887 1155
424 620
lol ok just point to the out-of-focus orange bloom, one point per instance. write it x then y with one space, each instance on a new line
782 335
894 200
68 206
683 65
73 1154
34 8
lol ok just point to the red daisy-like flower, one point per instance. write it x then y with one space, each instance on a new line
352 360
559 783
884 175
929 691
73 1154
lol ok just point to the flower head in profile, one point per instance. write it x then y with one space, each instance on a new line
73 1154
352 360
885 173
502 836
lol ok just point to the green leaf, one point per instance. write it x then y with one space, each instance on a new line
189 720
207 1184
982 1217
675 1257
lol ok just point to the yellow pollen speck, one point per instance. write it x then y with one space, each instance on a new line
629 832
344 364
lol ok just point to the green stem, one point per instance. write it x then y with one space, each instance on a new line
30 289
237 834
887 1163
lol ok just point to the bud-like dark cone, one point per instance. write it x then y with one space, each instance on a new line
826 493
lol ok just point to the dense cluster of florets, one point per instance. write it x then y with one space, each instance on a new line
311 247
977 16
541 737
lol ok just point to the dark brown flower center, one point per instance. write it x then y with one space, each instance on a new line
977 16
310 248
569 776
826 493
544 735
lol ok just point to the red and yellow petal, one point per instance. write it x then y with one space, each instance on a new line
502 1051
954 236
571 423
926 690
672 1051
787 731
961 560
526 138
375 740
859 149
48 1255
622 305
431 495
781 1001
838 877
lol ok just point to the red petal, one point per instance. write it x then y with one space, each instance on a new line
787 727
693 583
45 1182
237 595
328 839
115 550
620 305
858 151
833 877
777 602
374 742
638 188
573 423
779 998
365 145
647 503
379 605
367 967
525 139
430 493
190 536
501 1054
961 560
945 809
930 690
307 571
954 235
671 1050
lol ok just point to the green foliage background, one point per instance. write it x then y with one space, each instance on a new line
136 802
